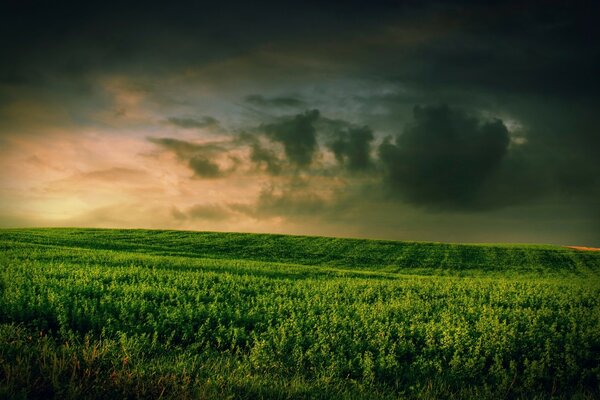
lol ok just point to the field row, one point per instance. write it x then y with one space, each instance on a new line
389 256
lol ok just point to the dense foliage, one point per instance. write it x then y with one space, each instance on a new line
133 313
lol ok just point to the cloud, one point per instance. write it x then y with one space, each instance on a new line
204 168
265 158
184 148
301 198
290 202
297 135
352 147
114 174
200 158
262 153
278 102
442 159
191 123
205 212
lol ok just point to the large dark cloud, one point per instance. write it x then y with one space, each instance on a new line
443 158
297 135
300 135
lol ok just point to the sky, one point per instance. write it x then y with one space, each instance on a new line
454 121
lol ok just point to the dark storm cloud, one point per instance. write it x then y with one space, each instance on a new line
198 157
278 102
443 157
78 38
192 123
352 147
297 135
557 159
504 48
501 46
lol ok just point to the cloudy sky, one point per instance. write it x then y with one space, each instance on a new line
437 121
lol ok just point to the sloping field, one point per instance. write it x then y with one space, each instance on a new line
134 313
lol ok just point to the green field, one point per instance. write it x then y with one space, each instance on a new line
89 313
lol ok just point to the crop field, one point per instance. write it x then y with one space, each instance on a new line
91 313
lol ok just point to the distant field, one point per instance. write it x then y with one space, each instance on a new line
98 313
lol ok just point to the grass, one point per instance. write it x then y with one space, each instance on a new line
146 314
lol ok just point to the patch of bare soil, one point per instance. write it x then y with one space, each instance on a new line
583 248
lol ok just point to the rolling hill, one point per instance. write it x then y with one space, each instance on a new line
99 313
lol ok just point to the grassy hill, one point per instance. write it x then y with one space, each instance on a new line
137 313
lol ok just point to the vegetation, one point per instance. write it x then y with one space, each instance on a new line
171 314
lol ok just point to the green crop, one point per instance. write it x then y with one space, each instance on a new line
148 314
